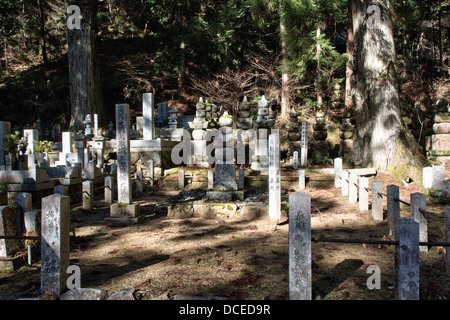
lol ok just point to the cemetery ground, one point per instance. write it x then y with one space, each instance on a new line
234 258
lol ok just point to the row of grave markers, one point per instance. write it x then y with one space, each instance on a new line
357 189
408 233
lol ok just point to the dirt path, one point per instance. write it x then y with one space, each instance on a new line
237 259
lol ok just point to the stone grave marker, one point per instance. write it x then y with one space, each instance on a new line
148 112
353 188
363 194
427 178
300 275
407 260
419 201
337 172
295 164
31 135
393 207
377 200
123 154
274 177
151 171
301 179
438 177
55 233
344 182
304 148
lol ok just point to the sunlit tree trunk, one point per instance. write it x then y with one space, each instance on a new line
84 71
319 87
43 41
349 68
285 92
182 54
375 89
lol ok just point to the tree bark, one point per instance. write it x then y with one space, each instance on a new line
349 68
375 89
182 53
44 42
285 93
319 87
84 69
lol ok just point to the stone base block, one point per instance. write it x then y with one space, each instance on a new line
440 142
124 221
125 210
220 196
180 211
213 210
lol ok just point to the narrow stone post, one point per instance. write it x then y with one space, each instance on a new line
55 231
363 194
274 177
419 201
393 207
427 177
304 146
31 218
181 176
407 260
151 172
446 190
123 154
88 194
377 200
353 188
337 172
23 204
139 181
438 178
210 179
241 179
149 121
300 283
344 183
109 189
447 238
295 161
301 179
31 135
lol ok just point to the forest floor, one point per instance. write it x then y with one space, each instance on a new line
237 259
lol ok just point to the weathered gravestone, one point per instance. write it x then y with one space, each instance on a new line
304 149
295 164
55 249
419 202
407 260
427 177
123 154
149 121
337 172
300 275
124 211
377 200
393 206
363 194
274 177
438 177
